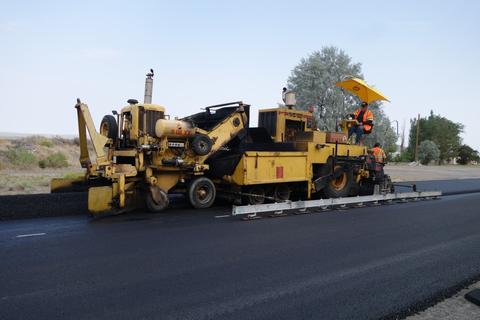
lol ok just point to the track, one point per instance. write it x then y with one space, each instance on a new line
364 263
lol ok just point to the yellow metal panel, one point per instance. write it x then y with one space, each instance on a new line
100 199
167 180
272 167
125 153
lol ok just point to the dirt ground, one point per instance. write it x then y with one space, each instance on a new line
405 172
32 181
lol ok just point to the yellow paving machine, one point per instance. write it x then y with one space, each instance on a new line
141 155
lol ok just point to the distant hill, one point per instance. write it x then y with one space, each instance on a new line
14 135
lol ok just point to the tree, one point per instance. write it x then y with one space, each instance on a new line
466 154
444 132
313 81
428 151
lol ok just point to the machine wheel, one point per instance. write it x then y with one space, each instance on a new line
256 195
201 144
282 192
109 127
201 193
341 185
156 199
354 190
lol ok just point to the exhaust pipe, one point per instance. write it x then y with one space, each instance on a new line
148 88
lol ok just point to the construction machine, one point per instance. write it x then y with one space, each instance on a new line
141 155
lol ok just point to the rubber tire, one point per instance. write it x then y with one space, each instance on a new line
354 190
282 195
201 144
154 207
112 126
193 195
331 192
255 200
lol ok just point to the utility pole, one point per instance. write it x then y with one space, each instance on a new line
403 137
396 121
418 134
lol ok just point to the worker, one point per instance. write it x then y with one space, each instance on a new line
379 154
364 118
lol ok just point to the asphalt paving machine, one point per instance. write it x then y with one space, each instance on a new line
142 155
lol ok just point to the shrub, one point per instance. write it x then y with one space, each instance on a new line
55 160
46 143
466 154
405 156
20 157
428 151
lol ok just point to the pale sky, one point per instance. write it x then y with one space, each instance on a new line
422 54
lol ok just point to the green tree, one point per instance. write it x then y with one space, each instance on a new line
444 132
466 154
313 81
428 151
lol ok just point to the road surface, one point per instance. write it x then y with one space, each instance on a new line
365 263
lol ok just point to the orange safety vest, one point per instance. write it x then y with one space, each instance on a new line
379 155
368 115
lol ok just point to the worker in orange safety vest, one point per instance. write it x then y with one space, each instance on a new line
364 118
379 154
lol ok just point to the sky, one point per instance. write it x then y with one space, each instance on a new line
424 55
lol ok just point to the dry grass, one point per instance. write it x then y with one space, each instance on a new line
36 151
14 184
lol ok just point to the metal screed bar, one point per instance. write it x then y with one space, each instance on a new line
326 203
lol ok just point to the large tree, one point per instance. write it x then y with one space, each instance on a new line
444 132
313 81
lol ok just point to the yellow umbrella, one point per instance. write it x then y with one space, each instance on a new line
361 89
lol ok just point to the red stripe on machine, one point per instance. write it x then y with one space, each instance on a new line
279 172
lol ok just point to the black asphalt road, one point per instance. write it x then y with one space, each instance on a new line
356 264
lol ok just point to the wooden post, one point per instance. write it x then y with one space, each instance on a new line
418 134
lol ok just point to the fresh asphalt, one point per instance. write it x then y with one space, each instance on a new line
364 263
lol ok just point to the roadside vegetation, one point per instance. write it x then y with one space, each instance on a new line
28 164
439 142
55 160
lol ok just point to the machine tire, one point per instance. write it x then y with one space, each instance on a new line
341 186
201 144
354 190
109 127
282 192
201 193
260 191
152 204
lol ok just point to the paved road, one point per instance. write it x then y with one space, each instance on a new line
357 264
